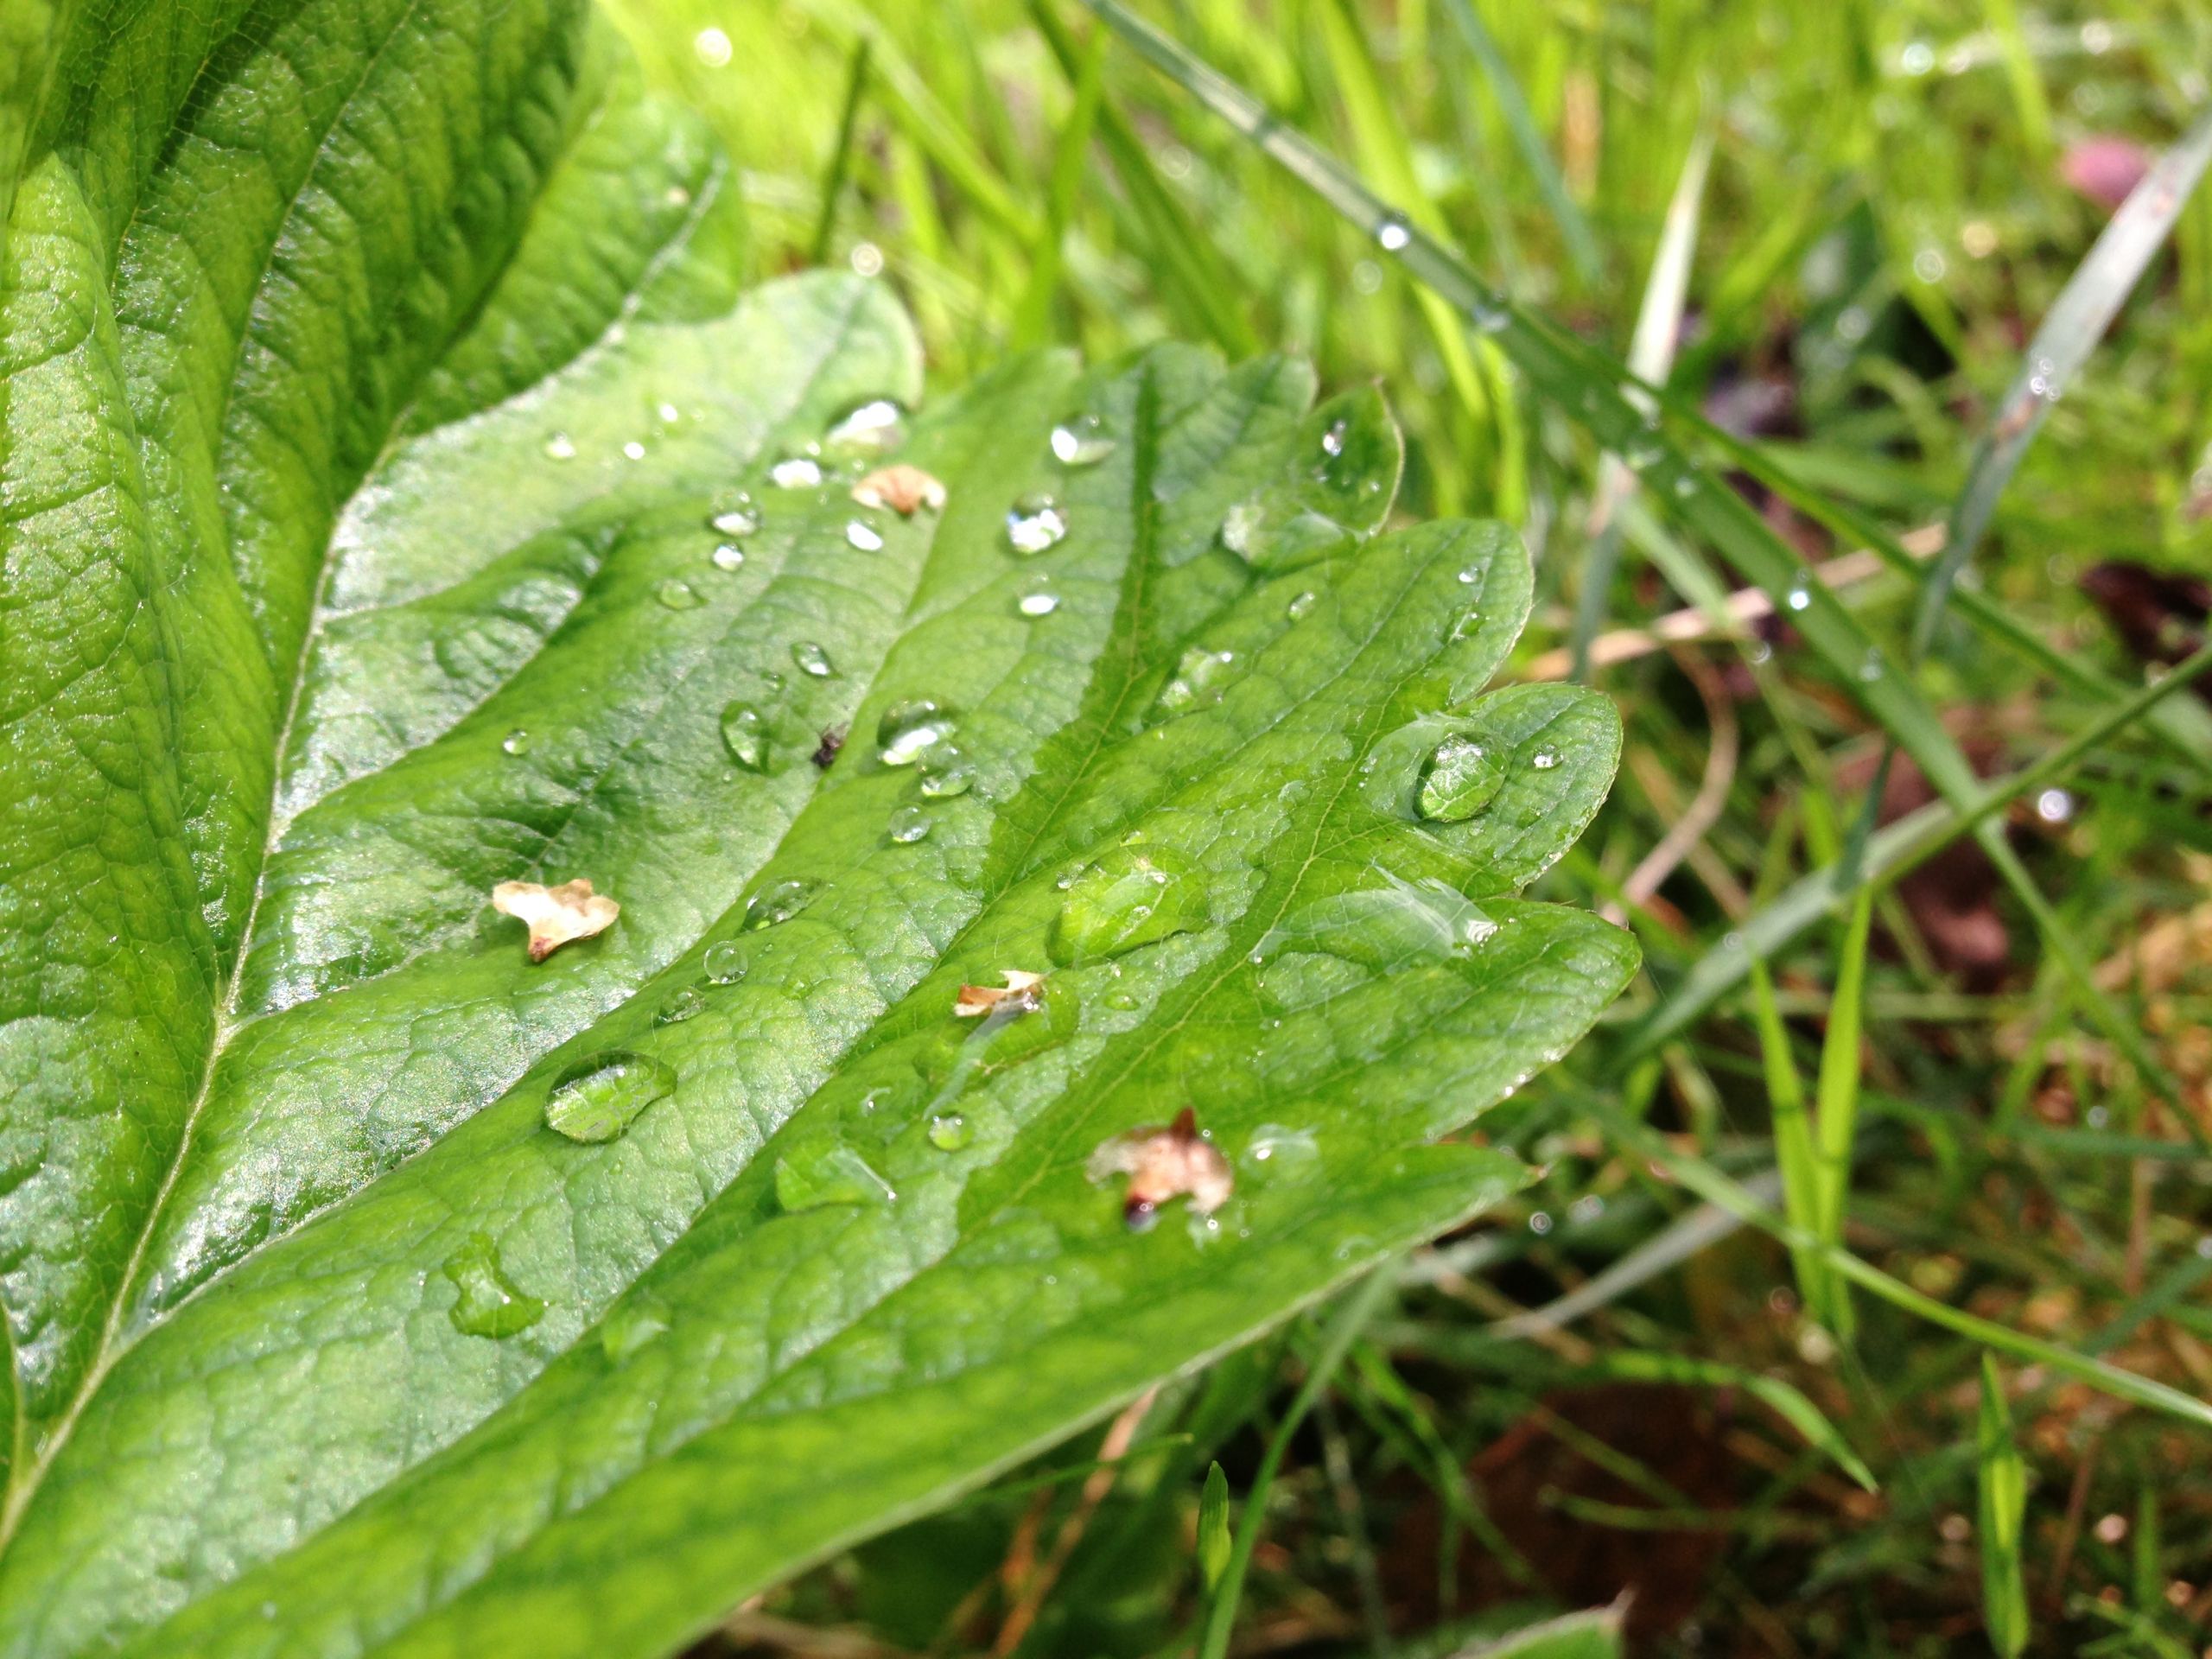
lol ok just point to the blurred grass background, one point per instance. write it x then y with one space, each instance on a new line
1896 194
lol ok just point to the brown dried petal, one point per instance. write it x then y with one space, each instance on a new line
556 915
901 488
1164 1162
975 1000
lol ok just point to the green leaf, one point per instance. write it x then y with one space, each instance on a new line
1213 1526
400 499
2003 1509
1594 1634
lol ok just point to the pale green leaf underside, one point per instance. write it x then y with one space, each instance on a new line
358 559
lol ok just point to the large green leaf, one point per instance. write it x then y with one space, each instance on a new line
372 372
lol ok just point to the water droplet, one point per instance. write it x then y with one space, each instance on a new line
1038 598
745 734
807 1177
1686 486
865 537
940 784
1544 760
630 1327
777 904
909 728
1471 575
869 430
490 1303
949 1132
685 1002
2055 806
1132 896
561 447
1083 440
740 520
1801 591
909 824
1200 679
597 1098
1301 606
1392 233
811 659
633 450
1458 780
1332 441
724 962
1870 665
795 472
670 414
678 595
728 557
516 742
1284 1153
1034 523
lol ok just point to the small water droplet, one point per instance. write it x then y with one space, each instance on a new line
1801 591
875 426
1332 441
561 447
516 742
777 904
1471 575
1132 895
630 1327
1038 598
490 1303
811 659
685 1002
1034 522
1544 760
1200 679
1083 440
1284 1153
1458 780
908 825
597 1098
795 472
943 783
678 595
670 414
728 557
1392 233
740 520
1301 606
633 450
949 1132
1870 665
2055 806
809 1178
1686 486
745 734
865 537
910 728
724 962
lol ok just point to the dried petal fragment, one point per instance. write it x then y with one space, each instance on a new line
1019 991
1163 1162
901 488
556 915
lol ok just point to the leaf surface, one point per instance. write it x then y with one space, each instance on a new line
400 497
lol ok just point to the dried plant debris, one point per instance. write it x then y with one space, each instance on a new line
1021 994
825 752
1163 1162
901 489
556 915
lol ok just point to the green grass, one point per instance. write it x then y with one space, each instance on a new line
2011 1158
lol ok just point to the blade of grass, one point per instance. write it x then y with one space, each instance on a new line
841 158
1785 1401
1032 315
1573 229
1794 1155
2003 1501
1835 1120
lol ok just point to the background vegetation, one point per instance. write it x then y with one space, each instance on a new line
1574 1402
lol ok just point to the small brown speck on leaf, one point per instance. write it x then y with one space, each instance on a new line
1162 1162
1019 993
556 915
901 488
833 741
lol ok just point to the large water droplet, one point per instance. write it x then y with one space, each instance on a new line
1034 522
596 1099
678 595
516 742
807 1177
724 962
727 555
1460 778
561 447
685 1002
910 728
795 472
1038 598
1132 895
777 904
1544 760
490 1303
740 520
949 1131
1200 679
745 734
908 825
1083 440
942 782
811 659
870 429
863 536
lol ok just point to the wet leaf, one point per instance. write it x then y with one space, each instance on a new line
374 1289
